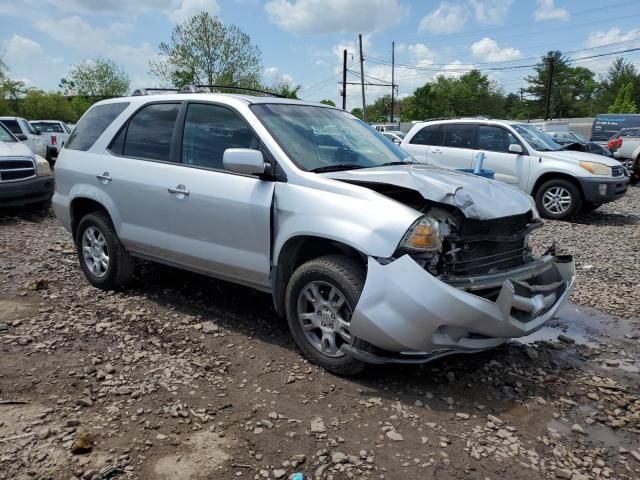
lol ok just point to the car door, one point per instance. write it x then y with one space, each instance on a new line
143 164
425 145
511 168
220 221
458 146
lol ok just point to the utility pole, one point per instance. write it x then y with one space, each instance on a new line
364 104
521 94
344 79
547 102
393 85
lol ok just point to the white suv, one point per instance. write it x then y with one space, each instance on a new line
371 256
562 182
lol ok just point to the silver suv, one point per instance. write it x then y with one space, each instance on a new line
372 256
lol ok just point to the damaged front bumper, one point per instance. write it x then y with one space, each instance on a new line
407 315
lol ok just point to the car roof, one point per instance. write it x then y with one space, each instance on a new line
229 98
489 121
46 121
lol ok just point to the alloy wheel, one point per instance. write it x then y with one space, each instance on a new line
325 317
95 252
557 200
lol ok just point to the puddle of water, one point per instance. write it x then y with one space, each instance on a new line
594 433
582 324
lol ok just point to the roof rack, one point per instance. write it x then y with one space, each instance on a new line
152 91
209 88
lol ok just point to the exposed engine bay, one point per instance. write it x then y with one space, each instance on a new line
470 246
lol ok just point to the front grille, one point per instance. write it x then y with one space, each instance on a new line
16 168
617 171
485 257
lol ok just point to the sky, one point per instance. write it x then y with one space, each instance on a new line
302 40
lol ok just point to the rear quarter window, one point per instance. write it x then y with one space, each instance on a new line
92 124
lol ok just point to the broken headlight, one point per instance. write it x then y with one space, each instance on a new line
425 235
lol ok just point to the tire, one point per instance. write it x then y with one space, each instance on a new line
588 207
566 189
347 278
120 265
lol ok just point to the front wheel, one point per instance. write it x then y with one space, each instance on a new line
320 299
104 261
558 199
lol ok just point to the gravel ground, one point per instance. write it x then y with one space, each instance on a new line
606 246
183 377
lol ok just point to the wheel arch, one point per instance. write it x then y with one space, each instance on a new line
545 177
300 249
80 206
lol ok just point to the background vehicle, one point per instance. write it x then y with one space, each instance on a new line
608 124
628 152
386 127
55 133
575 141
26 134
371 256
395 136
562 182
25 178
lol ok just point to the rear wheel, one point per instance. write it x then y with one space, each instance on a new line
104 261
558 199
320 299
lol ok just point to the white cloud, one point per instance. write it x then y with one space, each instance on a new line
189 8
447 18
92 41
547 10
110 6
490 12
487 49
273 76
19 49
614 35
324 16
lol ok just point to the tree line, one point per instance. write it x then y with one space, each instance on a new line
575 92
203 50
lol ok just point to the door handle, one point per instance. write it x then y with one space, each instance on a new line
104 178
437 150
179 190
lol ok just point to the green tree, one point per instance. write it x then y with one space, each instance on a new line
38 104
10 91
100 77
285 89
619 73
624 100
328 102
572 92
357 112
203 50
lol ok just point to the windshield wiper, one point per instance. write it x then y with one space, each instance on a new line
336 168
400 162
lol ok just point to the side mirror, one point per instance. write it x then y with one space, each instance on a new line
515 148
38 131
244 160
22 137
397 141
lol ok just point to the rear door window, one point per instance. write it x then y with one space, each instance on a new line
429 135
459 135
149 132
209 130
92 124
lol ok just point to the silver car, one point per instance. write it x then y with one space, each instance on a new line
372 257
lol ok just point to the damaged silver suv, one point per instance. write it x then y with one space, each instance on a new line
372 256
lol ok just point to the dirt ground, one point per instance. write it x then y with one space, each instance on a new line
184 377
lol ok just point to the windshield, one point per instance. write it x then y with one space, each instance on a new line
5 136
324 139
47 127
579 137
538 140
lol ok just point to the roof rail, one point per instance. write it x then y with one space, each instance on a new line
151 91
209 88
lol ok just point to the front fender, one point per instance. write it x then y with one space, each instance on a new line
368 222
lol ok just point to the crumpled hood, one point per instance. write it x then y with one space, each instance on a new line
475 196
575 156
15 149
